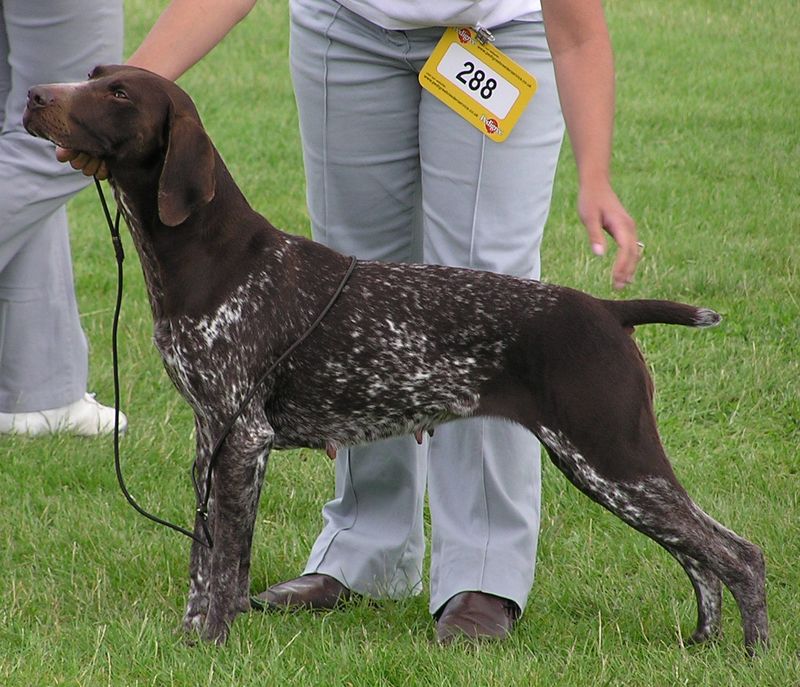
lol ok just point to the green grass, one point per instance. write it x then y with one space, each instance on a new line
706 159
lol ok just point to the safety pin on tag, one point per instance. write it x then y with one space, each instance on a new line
478 81
483 35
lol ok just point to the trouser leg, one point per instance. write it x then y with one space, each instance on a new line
362 147
485 206
43 357
43 352
358 120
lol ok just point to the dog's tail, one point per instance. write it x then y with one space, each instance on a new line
636 312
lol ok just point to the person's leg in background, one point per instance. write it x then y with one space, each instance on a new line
358 101
485 206
360 153
43 352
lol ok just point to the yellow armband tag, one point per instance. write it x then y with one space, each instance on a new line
479 82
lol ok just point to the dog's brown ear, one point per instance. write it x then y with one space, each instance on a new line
187 180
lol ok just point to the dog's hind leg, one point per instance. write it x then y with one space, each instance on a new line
706 550
236 487
708 593
659 507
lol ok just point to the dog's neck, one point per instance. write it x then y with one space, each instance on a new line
133 204
189 267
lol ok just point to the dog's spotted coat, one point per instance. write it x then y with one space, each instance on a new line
403 349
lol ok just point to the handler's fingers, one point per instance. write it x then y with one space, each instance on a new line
629 250
88 165
602 212
597 239
85 164
65 154
102 171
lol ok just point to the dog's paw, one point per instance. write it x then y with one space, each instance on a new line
193 623
243 604
703 635
215 631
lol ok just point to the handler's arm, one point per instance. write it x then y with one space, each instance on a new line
185 32
584 66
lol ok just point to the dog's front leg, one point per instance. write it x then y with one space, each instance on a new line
200 560
243 601
236 487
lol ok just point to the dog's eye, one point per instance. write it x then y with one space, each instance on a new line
119 93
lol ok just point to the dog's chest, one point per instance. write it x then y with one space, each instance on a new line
212 359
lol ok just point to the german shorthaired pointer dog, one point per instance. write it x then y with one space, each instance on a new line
404 348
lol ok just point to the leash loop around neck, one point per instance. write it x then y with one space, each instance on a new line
204 498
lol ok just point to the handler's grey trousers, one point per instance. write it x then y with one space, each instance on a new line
43 354
393 174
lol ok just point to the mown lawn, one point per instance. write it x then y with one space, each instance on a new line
706 159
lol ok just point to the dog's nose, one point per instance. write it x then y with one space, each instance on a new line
38 97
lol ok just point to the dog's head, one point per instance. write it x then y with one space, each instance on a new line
134 120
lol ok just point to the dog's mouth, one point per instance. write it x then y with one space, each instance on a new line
39 123
53 125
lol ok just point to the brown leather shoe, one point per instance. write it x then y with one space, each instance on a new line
315 591
476 616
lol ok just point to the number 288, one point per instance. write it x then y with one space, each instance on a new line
474 80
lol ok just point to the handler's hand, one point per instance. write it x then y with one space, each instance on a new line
90 166
600 210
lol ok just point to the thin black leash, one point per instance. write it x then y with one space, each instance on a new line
119 253
204 498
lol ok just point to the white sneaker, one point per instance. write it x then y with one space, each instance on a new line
85 418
